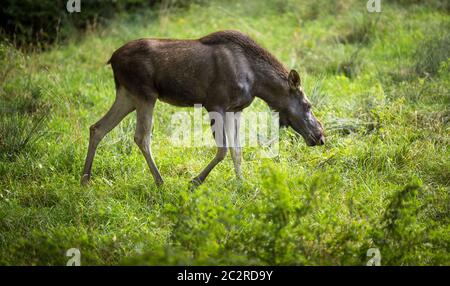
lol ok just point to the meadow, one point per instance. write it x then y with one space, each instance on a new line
379 83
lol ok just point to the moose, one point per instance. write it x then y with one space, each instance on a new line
223 71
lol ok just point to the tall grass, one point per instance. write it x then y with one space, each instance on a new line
432 53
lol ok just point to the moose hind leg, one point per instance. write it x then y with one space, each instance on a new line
122 106
142 137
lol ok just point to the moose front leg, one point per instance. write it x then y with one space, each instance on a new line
142 136
232 126
218 129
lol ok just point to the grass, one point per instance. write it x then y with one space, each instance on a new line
379 84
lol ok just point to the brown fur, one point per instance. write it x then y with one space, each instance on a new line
249 47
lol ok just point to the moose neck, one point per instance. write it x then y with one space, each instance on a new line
271 88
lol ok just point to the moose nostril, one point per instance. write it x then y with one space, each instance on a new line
321 140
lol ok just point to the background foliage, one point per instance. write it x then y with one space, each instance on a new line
46 21
378 82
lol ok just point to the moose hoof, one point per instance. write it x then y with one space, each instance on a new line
159 182
195 182
85 179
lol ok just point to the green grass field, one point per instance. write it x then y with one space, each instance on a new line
379 83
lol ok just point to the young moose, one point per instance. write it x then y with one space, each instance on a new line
223 72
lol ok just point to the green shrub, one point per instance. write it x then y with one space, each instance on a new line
431 53
403 237
361 30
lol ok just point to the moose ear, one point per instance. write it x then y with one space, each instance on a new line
294 79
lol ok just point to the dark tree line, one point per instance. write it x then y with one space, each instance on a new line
28 22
